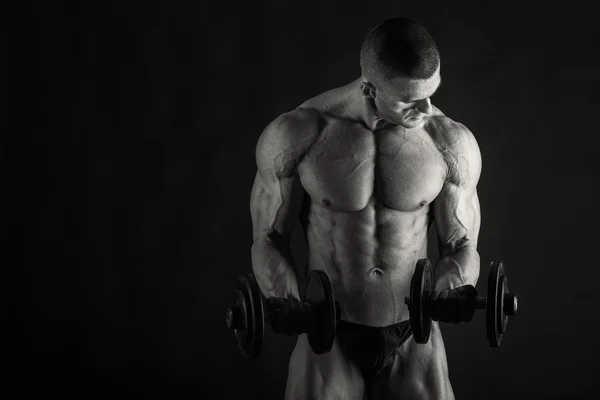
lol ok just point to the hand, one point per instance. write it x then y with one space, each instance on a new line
287 315
454 305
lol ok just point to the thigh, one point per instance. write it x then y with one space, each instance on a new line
417 371
328 376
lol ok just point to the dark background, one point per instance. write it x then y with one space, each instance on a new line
128 179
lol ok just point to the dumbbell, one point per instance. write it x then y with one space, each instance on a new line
424 306
318 317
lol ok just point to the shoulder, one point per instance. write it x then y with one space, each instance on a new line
288 137
293 129
458 146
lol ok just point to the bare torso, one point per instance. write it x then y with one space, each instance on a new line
366 213
366 192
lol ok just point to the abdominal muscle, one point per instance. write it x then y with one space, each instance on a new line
370 256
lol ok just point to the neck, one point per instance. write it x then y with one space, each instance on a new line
364 108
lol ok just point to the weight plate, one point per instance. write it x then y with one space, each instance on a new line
502 315
319 294
495 303
249 299
420 292
237 316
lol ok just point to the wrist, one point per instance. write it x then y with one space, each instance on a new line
447 281
450 274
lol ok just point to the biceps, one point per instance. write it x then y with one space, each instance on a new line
275 203
457 216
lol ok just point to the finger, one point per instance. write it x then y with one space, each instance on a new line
275 302
467 289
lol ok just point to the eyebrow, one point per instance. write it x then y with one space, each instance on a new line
436 89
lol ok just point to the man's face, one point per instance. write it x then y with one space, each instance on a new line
405 102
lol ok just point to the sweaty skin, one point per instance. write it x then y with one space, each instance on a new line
366 191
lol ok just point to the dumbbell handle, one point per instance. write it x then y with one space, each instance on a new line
291 323
510 303
297 321
438 308
480 302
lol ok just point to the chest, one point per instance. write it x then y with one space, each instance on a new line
350 167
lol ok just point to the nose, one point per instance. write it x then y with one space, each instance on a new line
424 106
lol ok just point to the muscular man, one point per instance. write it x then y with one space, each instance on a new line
366 168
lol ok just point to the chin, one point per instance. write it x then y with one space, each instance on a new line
410 124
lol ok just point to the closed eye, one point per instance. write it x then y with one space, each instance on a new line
430 96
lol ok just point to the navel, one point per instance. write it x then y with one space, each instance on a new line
376 272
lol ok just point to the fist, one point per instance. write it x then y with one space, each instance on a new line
288 316
454 305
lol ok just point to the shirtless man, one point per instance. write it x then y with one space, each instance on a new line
366 168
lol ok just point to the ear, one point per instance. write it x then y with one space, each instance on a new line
368 90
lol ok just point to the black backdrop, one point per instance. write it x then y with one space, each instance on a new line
128 178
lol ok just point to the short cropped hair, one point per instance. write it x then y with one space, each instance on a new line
399 47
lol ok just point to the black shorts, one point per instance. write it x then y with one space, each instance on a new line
371 348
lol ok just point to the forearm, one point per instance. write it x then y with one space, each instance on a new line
274 268
457 267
